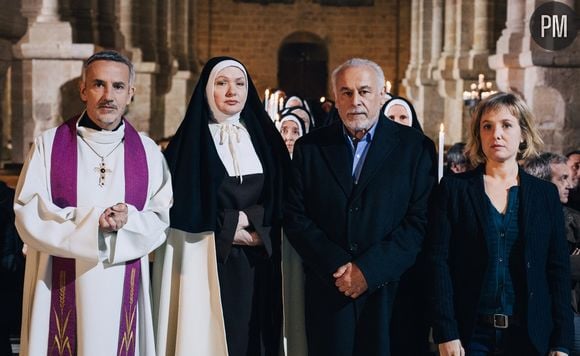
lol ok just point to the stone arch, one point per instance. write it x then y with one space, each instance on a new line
303 65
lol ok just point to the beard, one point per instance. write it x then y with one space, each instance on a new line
358 123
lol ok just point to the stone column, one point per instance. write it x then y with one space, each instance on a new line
110 35
426 43
45 61
449 82
509 46
464 57
12 28
82 16
177 98
548 80
410 80
133 16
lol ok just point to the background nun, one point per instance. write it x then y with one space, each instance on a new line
291 129
401 111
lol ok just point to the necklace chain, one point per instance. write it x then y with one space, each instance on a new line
102 169
95 152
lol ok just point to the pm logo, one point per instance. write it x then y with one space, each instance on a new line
554 26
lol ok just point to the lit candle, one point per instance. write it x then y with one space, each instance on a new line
273 103
266 97
441 149
322 99
389 86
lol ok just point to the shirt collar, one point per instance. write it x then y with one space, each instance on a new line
86 121
368 137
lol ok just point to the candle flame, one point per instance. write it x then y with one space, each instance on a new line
322 99
441 128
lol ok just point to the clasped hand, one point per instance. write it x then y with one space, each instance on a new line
114 217
350 280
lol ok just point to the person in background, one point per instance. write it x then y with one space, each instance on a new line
457 161
552 167
497 251
299 107
11 271
574 165
228 165
409 324
356 213
401 111
291 129
91 203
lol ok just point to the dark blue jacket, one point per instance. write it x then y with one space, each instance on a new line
458 257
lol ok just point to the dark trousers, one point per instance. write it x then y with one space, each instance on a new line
488 341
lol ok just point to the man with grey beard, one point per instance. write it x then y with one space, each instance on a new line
356 213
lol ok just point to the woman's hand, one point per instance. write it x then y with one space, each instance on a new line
451 348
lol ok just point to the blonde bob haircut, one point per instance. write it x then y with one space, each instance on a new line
517 107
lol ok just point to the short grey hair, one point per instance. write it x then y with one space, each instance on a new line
359 62
540 166
456 154
113 56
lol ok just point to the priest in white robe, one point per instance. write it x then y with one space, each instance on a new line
91 203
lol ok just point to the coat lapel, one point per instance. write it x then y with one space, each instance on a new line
339 158
527 203
476 192
384 142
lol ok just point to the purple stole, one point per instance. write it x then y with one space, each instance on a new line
63 183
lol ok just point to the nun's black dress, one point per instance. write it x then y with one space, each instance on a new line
207 199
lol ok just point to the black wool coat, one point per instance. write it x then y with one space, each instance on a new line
378 224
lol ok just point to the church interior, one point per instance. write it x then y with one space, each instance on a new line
432 52
443 55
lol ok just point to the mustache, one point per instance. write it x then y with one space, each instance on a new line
107 104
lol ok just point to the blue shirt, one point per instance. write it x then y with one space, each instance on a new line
360 150
505 259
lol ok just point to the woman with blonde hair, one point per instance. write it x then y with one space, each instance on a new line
497 251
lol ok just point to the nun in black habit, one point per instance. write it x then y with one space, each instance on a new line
409 323
228 161
401 111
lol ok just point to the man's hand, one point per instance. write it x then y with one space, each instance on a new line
114 218
243 237
350 280
243 221
451 348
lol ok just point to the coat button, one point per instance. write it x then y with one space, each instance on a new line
529 265
353 247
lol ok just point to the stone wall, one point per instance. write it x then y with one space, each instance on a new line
492 38
43 43
431 50
254 33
